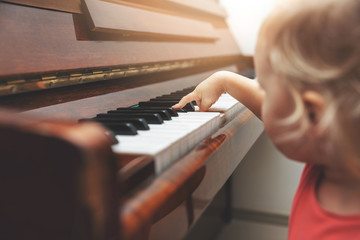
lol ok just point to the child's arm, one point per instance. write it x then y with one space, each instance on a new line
245 90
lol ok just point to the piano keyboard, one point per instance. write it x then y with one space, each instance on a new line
162 133
170 140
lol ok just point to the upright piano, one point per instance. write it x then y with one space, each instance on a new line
90 147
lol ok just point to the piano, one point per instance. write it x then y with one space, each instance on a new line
90 147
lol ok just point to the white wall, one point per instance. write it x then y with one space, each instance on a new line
265 180
245 18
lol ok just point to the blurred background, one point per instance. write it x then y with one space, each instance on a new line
245 18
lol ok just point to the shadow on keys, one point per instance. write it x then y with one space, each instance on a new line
58 180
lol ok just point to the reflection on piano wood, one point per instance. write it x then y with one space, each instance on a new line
99 62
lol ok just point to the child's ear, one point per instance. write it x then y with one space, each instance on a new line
314 105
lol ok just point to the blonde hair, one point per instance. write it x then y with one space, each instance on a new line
316 45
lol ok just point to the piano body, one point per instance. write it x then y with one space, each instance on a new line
73 59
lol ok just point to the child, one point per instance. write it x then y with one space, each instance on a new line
308 96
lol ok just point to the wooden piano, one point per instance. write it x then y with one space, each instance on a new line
63 61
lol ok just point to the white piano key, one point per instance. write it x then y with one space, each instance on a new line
168 141
227 105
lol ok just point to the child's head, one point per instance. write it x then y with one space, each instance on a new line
311 49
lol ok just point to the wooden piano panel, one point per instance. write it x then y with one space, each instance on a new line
202 7
211 7
118 18
74 6
47 41
63 5
89 107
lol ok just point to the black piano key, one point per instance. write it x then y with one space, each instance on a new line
152 118
167 99
115 126
163 113
179 96
188 107
194 103
120 118
121 128
171 111
181 110
139 123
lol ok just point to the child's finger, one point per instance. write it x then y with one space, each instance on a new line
204 105
186 99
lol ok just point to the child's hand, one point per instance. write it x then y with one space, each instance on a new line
205 94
